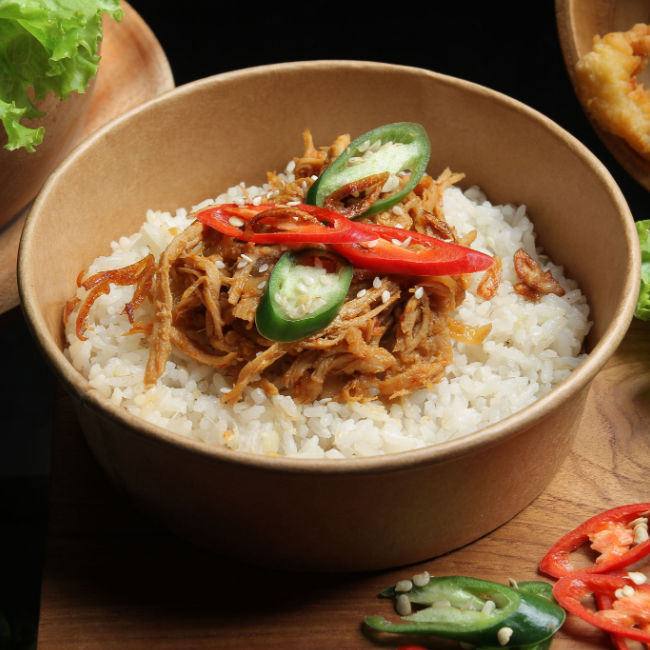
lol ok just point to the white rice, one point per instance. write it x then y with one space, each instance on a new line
532 346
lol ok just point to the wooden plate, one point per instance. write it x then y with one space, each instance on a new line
577 22
133 69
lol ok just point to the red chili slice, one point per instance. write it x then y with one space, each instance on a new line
604 601
401 251
572 589
557 562
281 224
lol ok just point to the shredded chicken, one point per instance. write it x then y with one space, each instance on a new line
391 336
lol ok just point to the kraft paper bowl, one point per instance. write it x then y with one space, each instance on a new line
346 515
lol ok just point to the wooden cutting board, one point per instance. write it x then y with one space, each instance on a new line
114 579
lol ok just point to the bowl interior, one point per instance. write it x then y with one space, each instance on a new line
201 138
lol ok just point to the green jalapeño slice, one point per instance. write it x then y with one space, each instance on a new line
479 612
304 293
392 150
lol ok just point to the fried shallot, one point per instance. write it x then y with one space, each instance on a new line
534 281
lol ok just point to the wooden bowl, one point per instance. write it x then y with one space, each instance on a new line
578 21
22 173
354 514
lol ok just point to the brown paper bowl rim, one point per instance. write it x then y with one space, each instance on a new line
436 453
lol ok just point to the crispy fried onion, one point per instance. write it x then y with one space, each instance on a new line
141 274
489 284
534 281
355 197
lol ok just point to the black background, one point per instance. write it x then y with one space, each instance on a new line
511 47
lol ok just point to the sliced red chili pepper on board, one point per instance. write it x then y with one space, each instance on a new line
606 532
268 223
401 251
604 601
629 615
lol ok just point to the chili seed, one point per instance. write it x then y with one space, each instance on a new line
504 635
637 577
404 585
364 146
441 603
403 605
488 607
421 579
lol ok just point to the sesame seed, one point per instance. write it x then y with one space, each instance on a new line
397 210
504 634
404 585
246 257
419 292
262 284
292 203
225 389
239 201
236 222
407 241
264 267
397 242
391 184
400 226
403 605
361 294
291 166
219 264
257 200
376 282
242 264
385 296
314 177
371 244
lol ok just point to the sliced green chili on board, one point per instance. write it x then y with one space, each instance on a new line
480 612
303 295
392 148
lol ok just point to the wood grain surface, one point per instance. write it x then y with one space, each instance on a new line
133 69
114 579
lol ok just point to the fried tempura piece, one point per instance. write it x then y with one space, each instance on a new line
606 83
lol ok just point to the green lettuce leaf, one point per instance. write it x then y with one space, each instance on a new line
45 46
643 303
